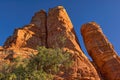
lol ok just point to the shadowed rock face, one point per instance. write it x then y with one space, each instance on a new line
52 31
101 51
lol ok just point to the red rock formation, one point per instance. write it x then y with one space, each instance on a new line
101 51
61 34
52 31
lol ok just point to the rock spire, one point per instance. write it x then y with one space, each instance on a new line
101 51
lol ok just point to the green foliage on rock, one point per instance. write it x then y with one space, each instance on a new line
41 66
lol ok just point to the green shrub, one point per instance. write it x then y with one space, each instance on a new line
41 66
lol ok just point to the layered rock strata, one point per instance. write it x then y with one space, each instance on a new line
101 51
31 35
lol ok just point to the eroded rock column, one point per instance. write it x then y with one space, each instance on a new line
101 51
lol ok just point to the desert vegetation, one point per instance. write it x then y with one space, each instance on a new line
42 66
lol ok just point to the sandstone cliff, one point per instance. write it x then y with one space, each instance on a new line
54 30
101 51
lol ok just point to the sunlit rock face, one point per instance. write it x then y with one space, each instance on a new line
31 35
101 51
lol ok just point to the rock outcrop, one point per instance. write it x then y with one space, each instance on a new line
31 35
25 40
52 31
101 51
61 34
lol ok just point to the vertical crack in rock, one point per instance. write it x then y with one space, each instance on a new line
40 20
101 51
46 34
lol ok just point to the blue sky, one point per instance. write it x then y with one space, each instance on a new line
17 13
